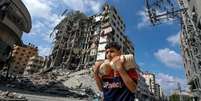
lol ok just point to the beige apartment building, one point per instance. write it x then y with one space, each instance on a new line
20 57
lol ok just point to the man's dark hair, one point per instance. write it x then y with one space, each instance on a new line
113 45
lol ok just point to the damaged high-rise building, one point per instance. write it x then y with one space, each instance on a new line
112 28
80 40
71 45
190 39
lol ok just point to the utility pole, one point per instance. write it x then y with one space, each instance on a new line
160 11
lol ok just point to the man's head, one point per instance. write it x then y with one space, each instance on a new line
112 49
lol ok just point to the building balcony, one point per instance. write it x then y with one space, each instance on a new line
16 17
104 25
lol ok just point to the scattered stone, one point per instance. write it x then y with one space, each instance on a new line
11 96
74 84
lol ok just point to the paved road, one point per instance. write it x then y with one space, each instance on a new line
48 98
32 96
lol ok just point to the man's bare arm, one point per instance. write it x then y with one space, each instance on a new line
128 81
96 76
130 84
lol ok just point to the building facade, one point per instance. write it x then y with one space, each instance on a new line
150 81
143 93
157 92
34 65
112 29
20 58
14 20
80 40
190 39
72 41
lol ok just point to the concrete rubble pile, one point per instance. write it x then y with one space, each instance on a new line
81 81
76 84
11 96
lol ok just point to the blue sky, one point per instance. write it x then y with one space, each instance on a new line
156 47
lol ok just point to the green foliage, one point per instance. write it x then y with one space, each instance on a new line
176 97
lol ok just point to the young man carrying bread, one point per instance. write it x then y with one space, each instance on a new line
115 81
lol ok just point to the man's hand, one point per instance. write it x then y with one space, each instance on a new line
117 63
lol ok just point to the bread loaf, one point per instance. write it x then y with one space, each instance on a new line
108 66
105 68
129 62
